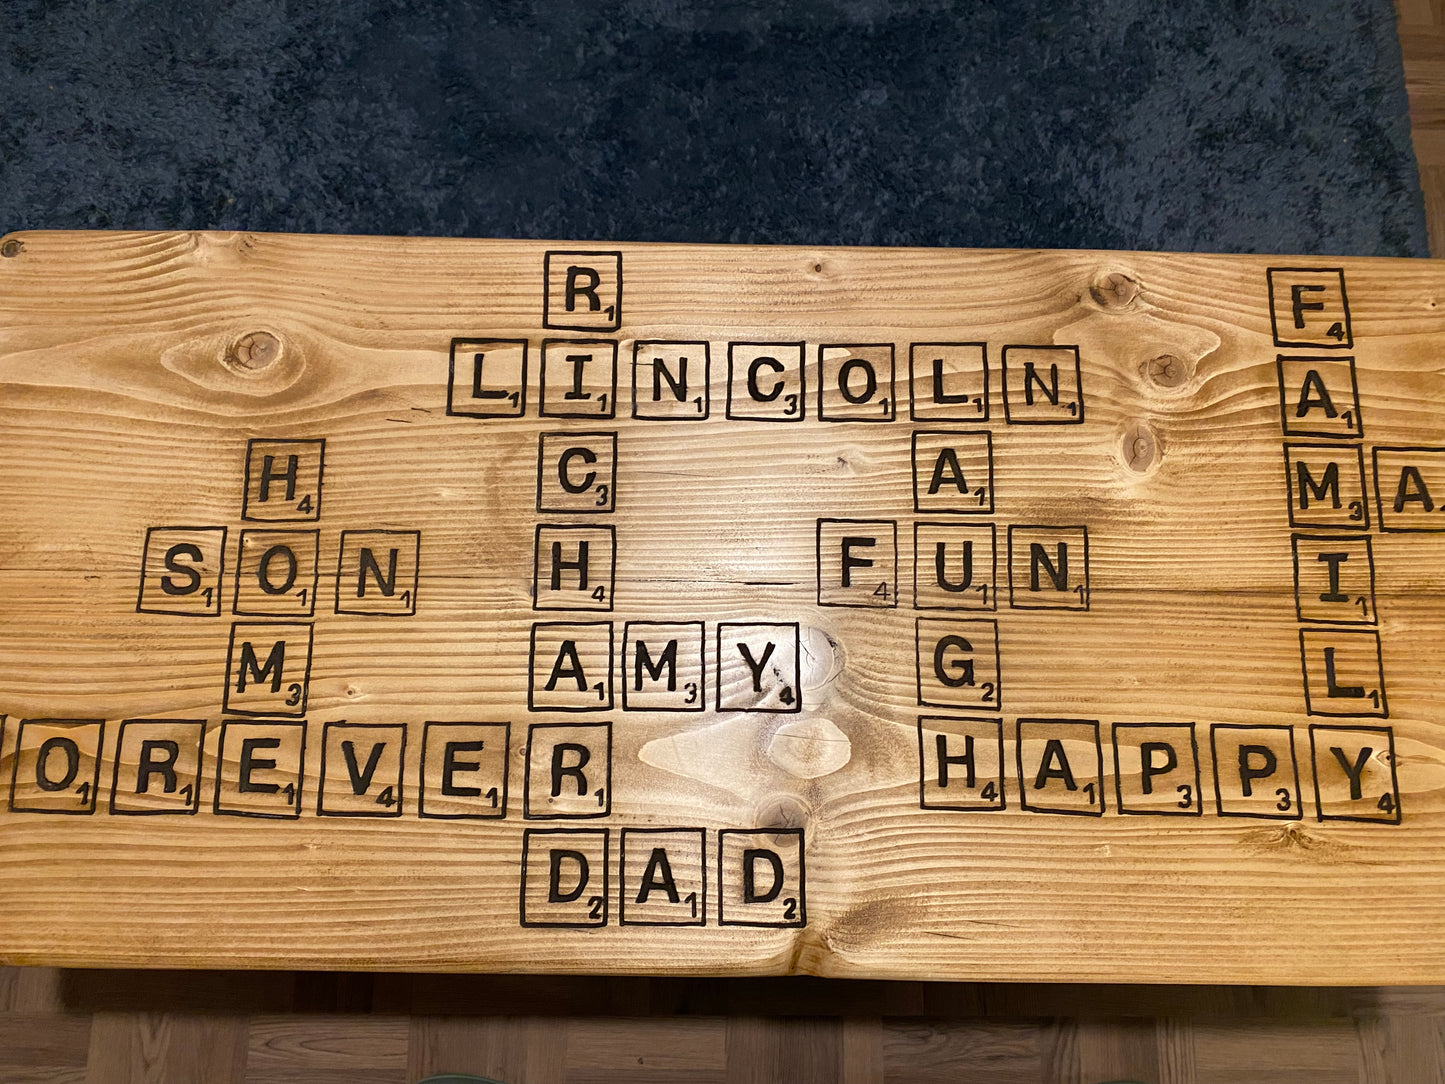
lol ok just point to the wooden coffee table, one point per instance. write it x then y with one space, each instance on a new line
515 606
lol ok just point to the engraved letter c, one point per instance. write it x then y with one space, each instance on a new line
757 393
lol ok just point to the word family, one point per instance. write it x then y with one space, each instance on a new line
1326 479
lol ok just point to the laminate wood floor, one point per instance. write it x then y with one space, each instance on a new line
127 1027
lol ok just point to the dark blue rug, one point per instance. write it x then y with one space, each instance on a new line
1277 125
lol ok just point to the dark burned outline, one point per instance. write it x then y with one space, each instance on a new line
802 348
1355 432
981 510
912 386
622 919
605 415
1002 766
1019 757
1295 539
1290 477
145 564
527 835
300 711
532 663
1379 496
1320 813
701 655
706 381
195 803
342 724
797 664
997 663
1088 594
992 605
501 811
537 568
94 782
1009 419
226 724
1346 344
315 572
892 414
341 565
892 524
527 814
452 410
547 290
1298 807
315 515
1384 710
802 919
611 506
1197 811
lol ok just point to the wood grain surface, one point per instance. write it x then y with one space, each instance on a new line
1154 797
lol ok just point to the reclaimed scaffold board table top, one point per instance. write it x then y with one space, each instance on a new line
520 606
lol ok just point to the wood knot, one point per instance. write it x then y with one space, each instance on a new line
1292 838
821 657
1114 291
781 812
1140 448
253 352
1165 371
13 246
